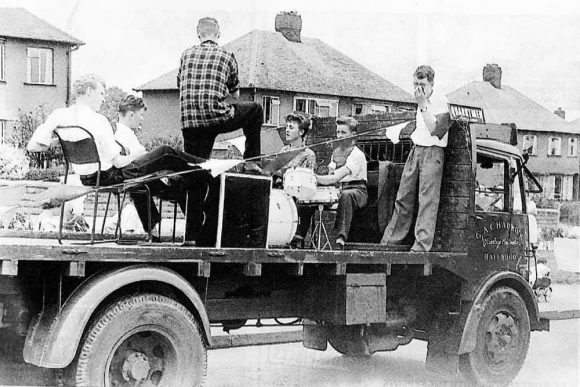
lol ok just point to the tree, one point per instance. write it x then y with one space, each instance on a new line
113 95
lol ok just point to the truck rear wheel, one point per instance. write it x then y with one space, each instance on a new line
348 340
503 337
142 340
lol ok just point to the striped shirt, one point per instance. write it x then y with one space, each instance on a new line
207 75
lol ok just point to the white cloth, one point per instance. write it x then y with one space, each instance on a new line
127 138
93 122
422 136
393 132
356 162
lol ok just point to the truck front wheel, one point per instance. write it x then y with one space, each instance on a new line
502 339
144 339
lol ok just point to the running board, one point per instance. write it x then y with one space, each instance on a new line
247 340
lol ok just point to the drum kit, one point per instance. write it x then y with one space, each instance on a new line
301 184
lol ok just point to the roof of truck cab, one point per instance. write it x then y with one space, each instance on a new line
498 147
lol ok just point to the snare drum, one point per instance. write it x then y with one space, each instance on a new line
300 183
323 195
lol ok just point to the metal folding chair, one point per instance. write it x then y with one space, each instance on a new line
79 148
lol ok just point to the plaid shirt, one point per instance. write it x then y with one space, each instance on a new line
207 75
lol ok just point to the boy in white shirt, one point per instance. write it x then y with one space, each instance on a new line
348 166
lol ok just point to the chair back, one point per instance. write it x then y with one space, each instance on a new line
78 145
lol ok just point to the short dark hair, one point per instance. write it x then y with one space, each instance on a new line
425 71
348 121
302 121
208 26
130 104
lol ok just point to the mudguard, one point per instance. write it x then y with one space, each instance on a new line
54 335
509 279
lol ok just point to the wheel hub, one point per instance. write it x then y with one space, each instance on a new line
136 367
501 338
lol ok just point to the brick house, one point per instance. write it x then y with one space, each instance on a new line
554 142
35 65
285 72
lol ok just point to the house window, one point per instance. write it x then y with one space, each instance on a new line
379 109
530 141
2 131
1 59
573 147
317 106
271 106
554 146
39 66
557 186
357 109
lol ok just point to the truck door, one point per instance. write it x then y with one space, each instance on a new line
501 226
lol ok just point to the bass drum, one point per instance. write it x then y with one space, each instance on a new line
282 219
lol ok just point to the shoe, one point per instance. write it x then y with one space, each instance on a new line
340 243
297 242
252 167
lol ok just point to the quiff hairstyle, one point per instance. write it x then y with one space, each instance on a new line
208 27
86 82
130 104
348 121
302 121
425 71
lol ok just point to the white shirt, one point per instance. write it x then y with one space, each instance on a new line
422 136
356 162
127 138
85 117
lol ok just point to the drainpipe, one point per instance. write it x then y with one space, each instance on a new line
68 72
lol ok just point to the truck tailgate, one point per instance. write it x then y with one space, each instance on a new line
564 303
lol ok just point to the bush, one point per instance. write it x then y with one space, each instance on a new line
570 213
174 142
50 174
13 162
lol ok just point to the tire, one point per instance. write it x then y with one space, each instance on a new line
144 339
348 340
503 337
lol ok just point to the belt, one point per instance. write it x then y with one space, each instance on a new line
354 183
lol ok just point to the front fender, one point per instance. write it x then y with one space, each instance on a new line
54 335
509 279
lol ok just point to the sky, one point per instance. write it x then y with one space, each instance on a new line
536 43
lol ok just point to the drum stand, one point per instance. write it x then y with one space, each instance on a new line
319 232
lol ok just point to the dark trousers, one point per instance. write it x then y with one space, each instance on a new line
163 158
352 197
247 115
305 214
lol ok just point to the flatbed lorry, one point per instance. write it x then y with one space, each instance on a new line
123 315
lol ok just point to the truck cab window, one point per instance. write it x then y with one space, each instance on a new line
493 185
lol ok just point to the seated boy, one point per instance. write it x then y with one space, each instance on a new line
348 167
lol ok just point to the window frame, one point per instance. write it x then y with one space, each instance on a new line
265 108
575 152
558 149
2 59
31 49
321 102
534 144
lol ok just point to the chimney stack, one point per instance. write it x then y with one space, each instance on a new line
290 25
492 74
560 113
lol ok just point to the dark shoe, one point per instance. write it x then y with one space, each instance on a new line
297 242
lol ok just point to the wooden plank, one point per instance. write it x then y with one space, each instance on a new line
203 269
252 269
9 267
560 314
75 269
427 269
245 340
